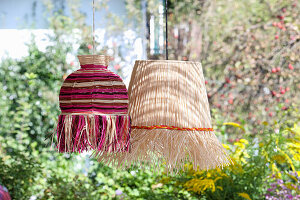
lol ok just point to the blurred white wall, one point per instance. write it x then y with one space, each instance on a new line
20 19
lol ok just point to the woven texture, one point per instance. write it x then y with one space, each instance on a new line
94 106
170 94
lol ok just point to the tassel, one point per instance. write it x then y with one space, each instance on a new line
79 133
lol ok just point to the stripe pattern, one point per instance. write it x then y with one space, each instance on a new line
171 128
93 88
94 112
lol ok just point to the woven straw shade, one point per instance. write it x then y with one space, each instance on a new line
171 120
94 109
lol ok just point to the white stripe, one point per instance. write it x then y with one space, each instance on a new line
92 83
95 100
92 71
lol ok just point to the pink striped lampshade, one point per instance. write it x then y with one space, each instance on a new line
94 109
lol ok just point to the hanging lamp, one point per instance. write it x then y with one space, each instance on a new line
170 115
94 108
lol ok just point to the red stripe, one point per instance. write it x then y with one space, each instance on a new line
93 66
93 105
63 90
97 96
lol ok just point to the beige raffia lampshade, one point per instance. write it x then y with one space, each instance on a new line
170 115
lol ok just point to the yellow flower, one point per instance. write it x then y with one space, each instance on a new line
244 195
296 129
165 180
208 175
236 168
198 185
226 146
279 159
275 170
235 125
261 144
246 155
220 188
240 145
244 141
243 160
265 123
288 159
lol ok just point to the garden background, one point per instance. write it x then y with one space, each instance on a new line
249 51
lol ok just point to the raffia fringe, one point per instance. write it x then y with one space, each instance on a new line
78 133
172 148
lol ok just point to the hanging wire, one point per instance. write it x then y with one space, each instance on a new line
93 27
166 15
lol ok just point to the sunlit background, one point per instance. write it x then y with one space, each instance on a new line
249 51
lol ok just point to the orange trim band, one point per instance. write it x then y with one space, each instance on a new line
172 128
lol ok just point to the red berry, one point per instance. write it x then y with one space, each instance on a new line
208 95
276 36
278 69
287 89
117 67
206 81
273 93
267 109
282 91
225 86
280 17
222 95
230 101
280 25
291 66
89 46
274 70
274 24
270 114
227 80
284 10
286 101
184 58
218 105
237 140
284 108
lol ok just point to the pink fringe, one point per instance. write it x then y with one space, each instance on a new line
79 133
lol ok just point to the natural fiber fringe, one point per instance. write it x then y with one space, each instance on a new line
172 148
170 93
78 133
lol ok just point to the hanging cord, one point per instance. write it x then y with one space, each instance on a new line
93 27
166 15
